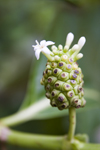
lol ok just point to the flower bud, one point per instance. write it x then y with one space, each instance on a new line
63 106
67 87
68 67
57 58
70 94
76 102
53 64
64 58
53 103
59 85
48 95
61 98
55 93
48 87
51 80
60 47
64 76
61 65
56 71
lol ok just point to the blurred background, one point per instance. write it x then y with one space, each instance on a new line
21 23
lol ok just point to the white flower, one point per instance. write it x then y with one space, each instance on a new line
81 42
69 39
42 47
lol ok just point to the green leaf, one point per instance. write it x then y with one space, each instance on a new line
34 89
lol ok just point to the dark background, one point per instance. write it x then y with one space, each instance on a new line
24 21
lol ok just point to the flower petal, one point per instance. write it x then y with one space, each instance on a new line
75 47
43 43
33 45
37 42
36 47
69 39
46 50
49 43
37 53
81 42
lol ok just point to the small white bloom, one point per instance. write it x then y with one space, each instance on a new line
79 56
69 39
81 42
75 47
42 47
60 47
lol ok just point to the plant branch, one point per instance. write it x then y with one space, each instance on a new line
89 146
35 141
77 145
72 123
43 141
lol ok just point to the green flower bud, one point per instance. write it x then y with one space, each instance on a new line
48 72
76 102
67 87
68 67
61 98
59 85
55 93
57 58
56 71
53 103
53 64
48 95
70 94
63 106
64 58
51 80
48 87
83 102
64 76
61 65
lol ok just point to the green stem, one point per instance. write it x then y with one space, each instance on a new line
47 142
90 147
72 123
43 141
35 141
77 145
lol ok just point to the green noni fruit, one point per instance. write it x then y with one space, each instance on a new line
62 77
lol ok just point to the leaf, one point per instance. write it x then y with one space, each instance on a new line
34 86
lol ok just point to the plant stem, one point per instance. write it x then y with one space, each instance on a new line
47 142
90 146
72 123
35 141
77 145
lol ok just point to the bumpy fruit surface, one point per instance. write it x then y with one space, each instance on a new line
63 79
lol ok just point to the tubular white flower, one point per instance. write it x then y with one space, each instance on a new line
69 39
42 47
75 47
81 42
79 56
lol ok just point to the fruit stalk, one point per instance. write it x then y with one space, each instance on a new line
72 123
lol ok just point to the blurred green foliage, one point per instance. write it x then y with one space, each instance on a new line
21 22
